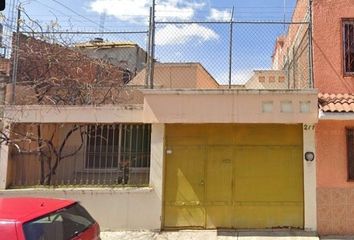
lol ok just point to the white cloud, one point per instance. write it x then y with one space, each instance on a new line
219 15
138 10
124 10
180 34
176 9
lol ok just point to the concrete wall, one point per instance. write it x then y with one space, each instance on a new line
230 106
335 194
268 79
130 57
175 75
204 79
113 208
328 45
310 194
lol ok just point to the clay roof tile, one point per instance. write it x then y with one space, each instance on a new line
336 102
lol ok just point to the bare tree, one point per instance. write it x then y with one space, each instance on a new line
52 72
60 75
49 152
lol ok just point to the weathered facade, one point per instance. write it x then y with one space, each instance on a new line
333 41
333 138
216 157
127 55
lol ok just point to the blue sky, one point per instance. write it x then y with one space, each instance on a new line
205 43
122 14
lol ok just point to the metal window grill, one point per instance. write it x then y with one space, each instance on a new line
348 35
120 148
111 155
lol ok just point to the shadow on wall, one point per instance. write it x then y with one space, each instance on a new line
333 68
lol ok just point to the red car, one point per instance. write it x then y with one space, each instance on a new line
45 219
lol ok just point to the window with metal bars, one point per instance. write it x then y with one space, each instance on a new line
118 146
348 38
350 153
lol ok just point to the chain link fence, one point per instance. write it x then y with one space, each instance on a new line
242 55
108 67
53 67
76 68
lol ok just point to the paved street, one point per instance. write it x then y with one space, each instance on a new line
207 235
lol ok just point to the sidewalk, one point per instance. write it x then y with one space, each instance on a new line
209 235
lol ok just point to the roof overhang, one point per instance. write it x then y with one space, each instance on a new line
230 106
335 115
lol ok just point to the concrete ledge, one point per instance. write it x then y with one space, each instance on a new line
230 106
212 235
80 190
167 91
73 114
336 115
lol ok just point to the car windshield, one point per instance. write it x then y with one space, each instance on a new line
64 224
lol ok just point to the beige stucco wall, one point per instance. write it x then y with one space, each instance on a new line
310 194
24 168
177 75
228 106
114 209
204 79
267 79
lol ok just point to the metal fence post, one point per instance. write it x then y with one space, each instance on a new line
230 47
294 67
152 47
148 54
311 75
15 55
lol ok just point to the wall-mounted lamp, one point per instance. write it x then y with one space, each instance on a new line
309 156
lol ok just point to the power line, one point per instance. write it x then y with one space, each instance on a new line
78 14
64 14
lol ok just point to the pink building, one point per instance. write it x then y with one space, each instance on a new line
333 46
333 68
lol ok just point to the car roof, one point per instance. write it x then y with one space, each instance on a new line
23 209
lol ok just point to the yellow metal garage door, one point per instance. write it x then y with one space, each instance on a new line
233 176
